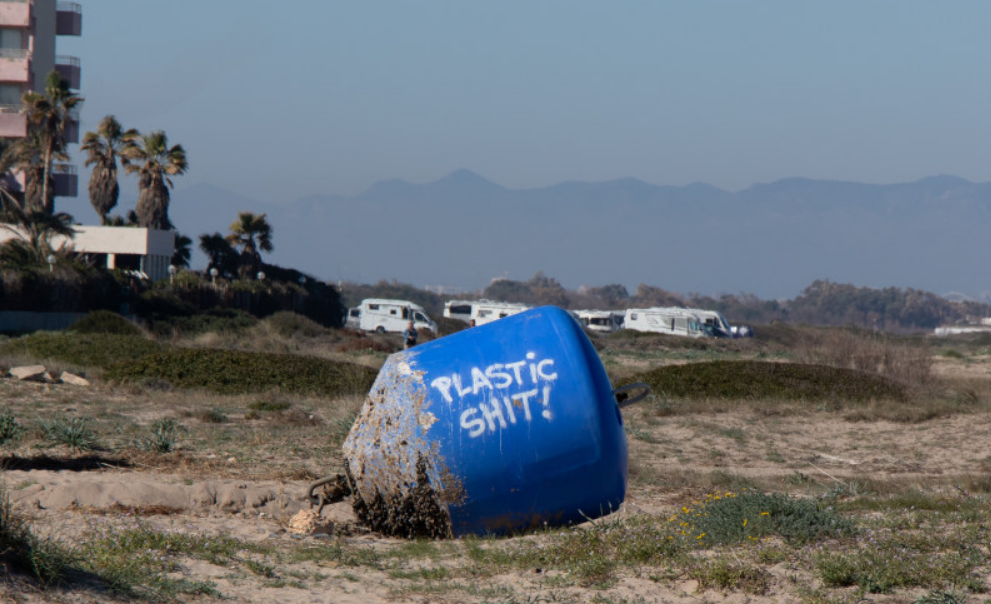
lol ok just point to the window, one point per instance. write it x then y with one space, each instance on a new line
11 39
484 313
633 316
10 94
355 312
464 309
373 307
420 318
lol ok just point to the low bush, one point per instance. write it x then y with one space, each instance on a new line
214 320
8 427
237 372
868 352
44 559
105 322
163 438
289 324
88 350
762 380
73 432
751 516
359 342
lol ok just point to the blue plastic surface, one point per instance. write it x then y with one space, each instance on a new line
514 421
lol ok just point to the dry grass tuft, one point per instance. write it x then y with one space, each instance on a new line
880 354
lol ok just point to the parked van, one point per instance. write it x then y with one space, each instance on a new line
669 320
459 309
482 311
718 323
381 315
605 321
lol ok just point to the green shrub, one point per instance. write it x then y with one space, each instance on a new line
212 416
164 436
757 380
289 324
238 372
8 427
74 432
214 320
751 516
89 350
105 322
43 558
883 562
268 406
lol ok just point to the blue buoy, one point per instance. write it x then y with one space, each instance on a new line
492 430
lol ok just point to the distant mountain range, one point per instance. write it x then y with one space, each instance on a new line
771 240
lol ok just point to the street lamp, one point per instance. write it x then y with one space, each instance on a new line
261 276
51 263
213 275
172 270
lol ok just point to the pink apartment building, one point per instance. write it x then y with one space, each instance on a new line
28 33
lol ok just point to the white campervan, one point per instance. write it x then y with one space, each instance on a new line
715 320
718 323
605 321
459 309
669 320
382 315
482 311
486 311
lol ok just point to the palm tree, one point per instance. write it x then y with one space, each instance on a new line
35 229
252 233
222 256
50 114
155 163
27 157
183 251
102 148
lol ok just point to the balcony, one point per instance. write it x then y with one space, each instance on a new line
13 123
68 19
68 68
15 65
15 13
66 180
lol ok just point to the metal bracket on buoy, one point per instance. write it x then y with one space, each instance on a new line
335 488
623 398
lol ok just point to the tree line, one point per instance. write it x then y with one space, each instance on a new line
823 302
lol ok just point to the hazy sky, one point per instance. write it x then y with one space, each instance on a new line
277 100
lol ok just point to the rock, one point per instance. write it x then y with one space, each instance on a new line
29 372
71 378
303 523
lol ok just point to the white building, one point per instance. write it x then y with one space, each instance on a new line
147 251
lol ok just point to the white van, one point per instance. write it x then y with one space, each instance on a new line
669 320
459 309
605 321
381 315
482 311
718 323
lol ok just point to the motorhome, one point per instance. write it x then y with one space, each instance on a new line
381 315
605 321
482 311
669 320
718 323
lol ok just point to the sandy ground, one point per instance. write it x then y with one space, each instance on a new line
795 450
